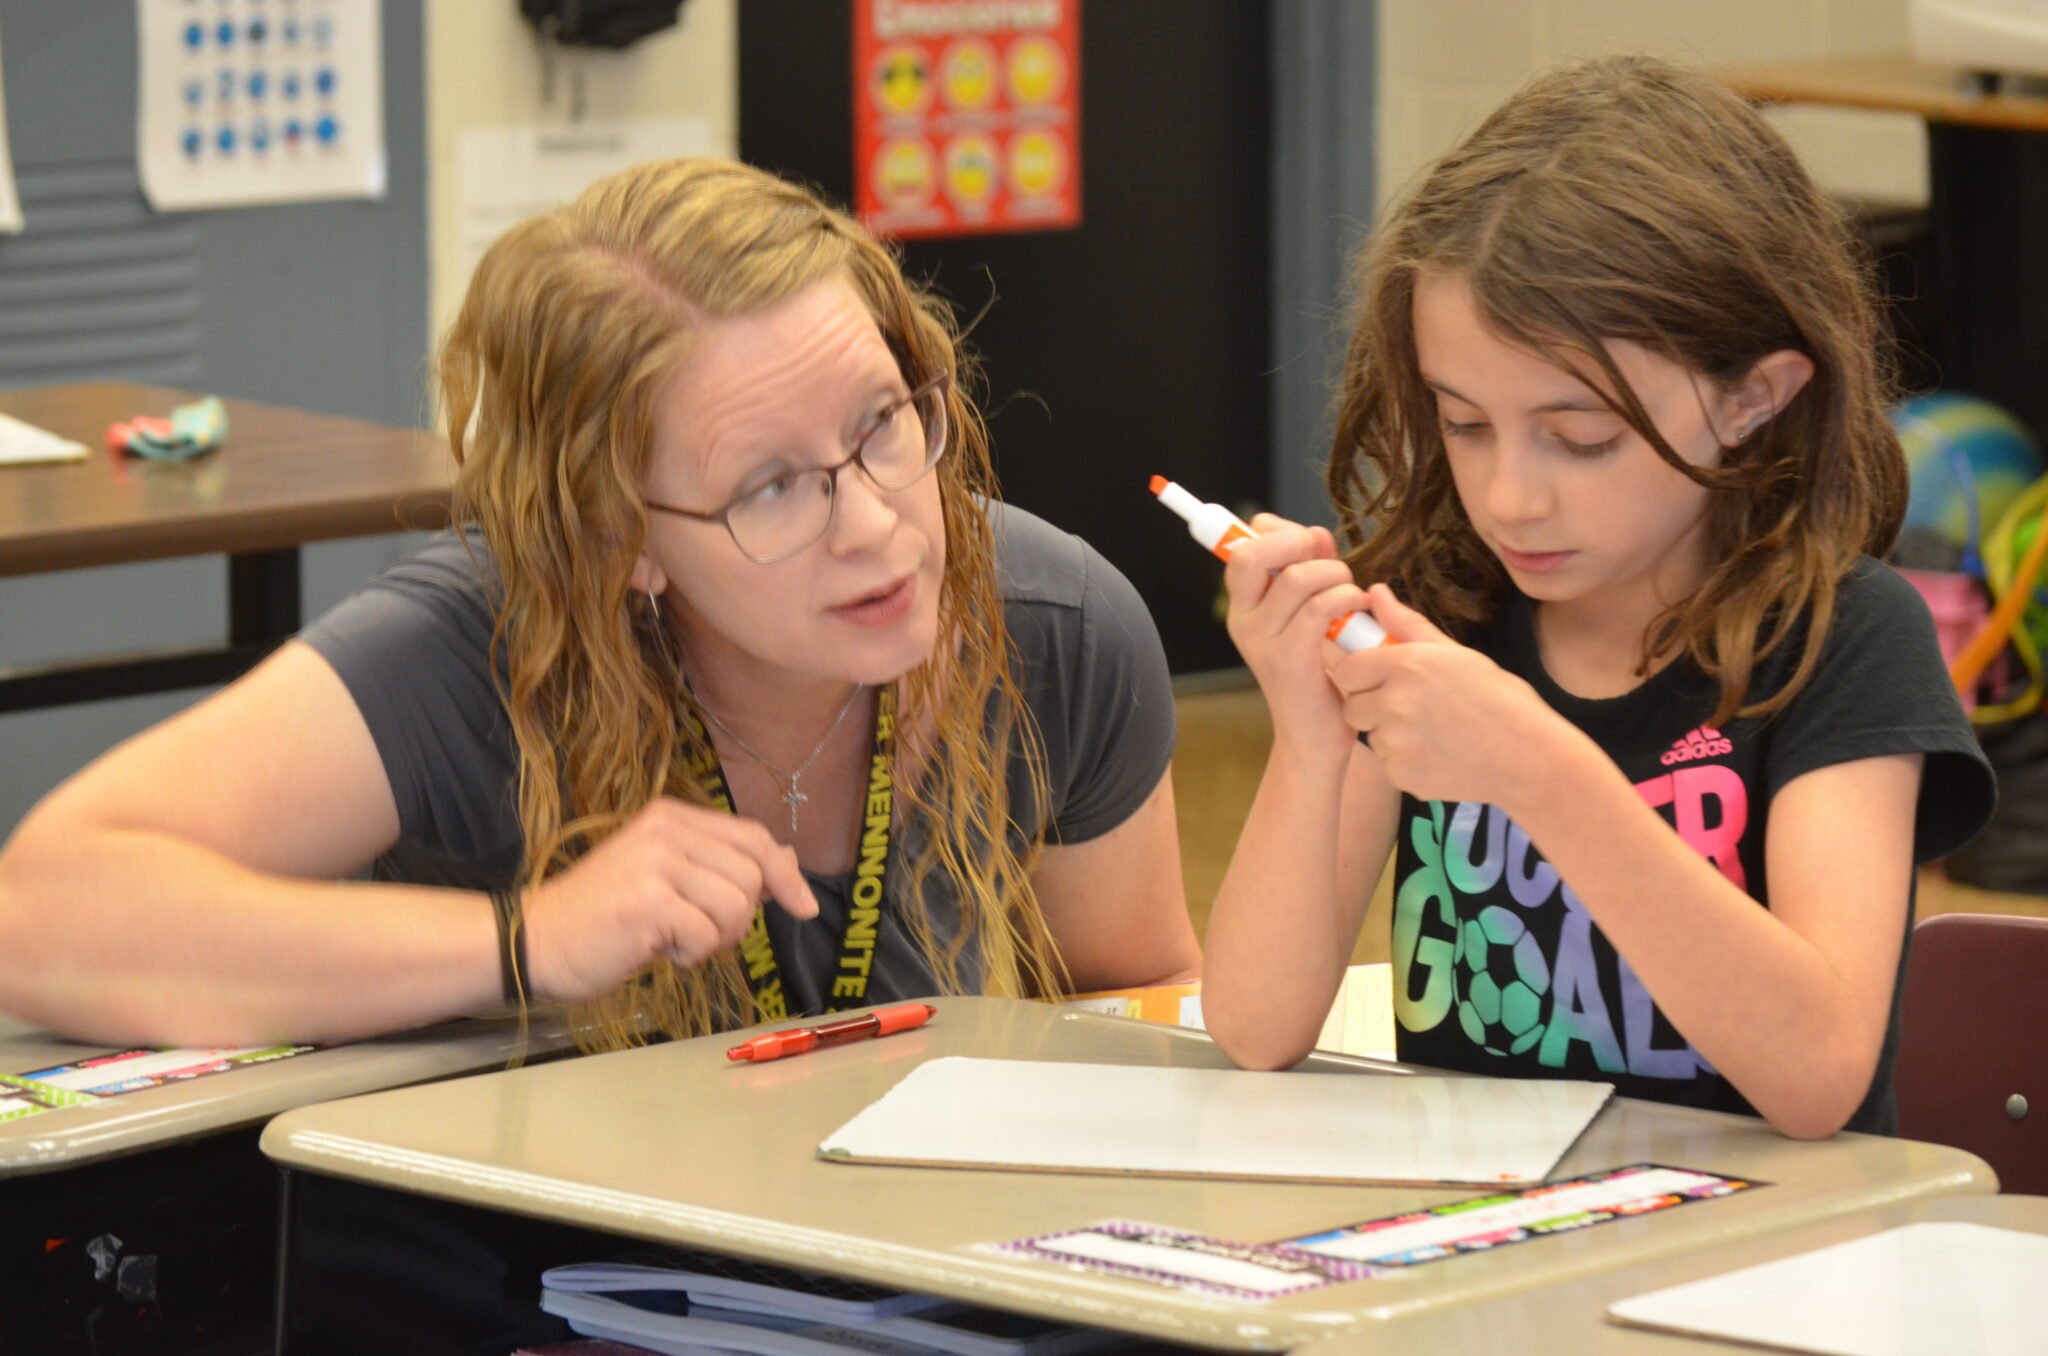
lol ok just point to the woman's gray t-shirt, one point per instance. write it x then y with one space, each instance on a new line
413 649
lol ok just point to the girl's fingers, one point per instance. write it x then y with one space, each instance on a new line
1362 711
1296 587
1402 622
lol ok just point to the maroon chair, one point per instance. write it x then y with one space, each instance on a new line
1972 1069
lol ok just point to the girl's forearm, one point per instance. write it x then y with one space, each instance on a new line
1757 1000
136 936
1279 935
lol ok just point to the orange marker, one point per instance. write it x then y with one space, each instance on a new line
1216 527
867 1026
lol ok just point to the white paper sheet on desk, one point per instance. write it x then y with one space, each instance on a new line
21 444
1936 1286
1314 1127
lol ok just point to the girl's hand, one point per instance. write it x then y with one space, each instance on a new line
679 881
1286 586
1445 722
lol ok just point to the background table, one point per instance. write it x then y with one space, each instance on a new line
489 1179
282 478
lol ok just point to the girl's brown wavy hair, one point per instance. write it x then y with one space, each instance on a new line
549 377
1629 199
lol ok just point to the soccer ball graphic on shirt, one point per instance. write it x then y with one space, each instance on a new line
1503 979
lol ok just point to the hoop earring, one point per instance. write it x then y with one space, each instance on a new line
663 640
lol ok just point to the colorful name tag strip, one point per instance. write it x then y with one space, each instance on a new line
1185 1261
1266 1271
1496 1221
89 1080
25 1097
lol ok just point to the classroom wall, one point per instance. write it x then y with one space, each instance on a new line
315 304
484 69
385 282
1444 64
1322 178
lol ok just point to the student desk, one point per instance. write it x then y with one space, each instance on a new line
480 1183
174 1174
1570 1320
281 479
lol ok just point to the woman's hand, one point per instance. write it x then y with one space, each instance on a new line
679 881
1445 722
1286 587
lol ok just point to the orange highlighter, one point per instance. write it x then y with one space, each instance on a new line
867 1026
1216 527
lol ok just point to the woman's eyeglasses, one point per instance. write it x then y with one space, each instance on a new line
775 520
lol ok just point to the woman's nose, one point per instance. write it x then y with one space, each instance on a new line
861 513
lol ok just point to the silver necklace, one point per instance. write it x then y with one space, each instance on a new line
790 795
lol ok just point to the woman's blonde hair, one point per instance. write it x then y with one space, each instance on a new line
1629 199
572 324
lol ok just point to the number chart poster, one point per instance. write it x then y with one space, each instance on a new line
243 102
967 116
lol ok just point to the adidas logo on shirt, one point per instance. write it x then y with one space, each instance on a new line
1704 742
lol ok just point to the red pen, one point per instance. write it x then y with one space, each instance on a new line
881 1022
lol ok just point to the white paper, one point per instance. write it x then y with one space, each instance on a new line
250 101
1222 1122
1939 1286
1361 1020
10 198
506 174
23 443
1234 1272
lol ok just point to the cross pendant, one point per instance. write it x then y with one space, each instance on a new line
793 798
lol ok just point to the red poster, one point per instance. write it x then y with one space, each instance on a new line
966 115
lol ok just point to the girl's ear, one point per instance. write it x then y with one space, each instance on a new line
1769 388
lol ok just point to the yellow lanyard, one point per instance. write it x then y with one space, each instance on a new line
870 875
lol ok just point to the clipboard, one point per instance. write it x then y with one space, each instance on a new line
1030 1116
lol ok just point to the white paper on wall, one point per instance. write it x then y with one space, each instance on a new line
244 102
506 174
10 199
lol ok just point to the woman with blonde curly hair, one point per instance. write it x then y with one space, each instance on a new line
733 695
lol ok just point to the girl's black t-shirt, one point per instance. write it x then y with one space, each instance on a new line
1499 969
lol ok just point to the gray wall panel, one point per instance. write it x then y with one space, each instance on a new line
318 305
1323 124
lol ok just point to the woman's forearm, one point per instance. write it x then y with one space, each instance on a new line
131 935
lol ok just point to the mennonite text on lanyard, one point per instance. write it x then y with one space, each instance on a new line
870 876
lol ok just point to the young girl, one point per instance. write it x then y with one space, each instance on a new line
1660 743
734 623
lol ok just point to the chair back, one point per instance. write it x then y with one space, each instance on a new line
1972 1067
